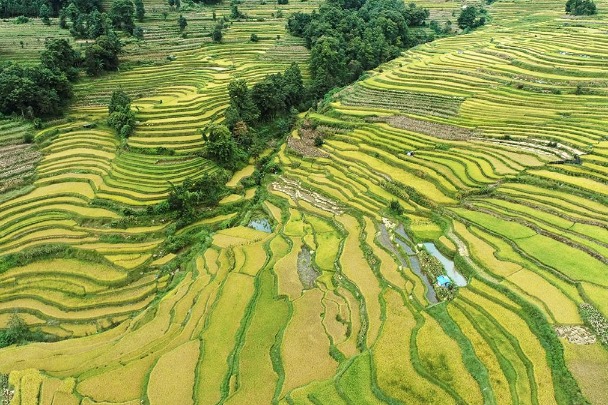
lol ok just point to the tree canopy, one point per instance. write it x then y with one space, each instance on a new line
581 7
122 14
121 118
61 57
102 55
222 148
471 17
347 37
33 91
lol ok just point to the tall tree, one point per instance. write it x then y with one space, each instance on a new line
293 85
269 96
140 10
102 55
45 13
58 55
217 35
242 107
121 118
181 21
121 14
222 148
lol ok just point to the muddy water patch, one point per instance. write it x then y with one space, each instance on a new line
306 272
409 260
260 224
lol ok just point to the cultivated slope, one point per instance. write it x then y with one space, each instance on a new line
495 120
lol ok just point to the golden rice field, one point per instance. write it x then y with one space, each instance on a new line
475 136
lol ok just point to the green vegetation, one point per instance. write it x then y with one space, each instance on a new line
263 235
121 118
370 32
471 17
581 7
18 333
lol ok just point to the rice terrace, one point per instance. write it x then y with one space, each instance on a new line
303 202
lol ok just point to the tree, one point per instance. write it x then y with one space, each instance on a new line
45 13
581 7
396 207
217 33
205 191
138 33
98 24
63 19
102 55
120 101
17 332
235 13
269 96
254 38
140 11
293 85
121 15
181 21
468 18
221 147
283 2
327 64
121 118
241 107
58 55
33 91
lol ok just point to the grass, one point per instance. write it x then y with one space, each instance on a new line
165 385
357 270
442 358
305 339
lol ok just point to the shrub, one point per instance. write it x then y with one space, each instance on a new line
471 17
396 207
581 7
18 333
21 20
596 321
28 137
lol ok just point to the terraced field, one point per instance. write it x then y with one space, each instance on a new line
493 143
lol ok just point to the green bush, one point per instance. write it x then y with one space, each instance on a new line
581 7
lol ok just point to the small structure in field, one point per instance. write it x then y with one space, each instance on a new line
444 281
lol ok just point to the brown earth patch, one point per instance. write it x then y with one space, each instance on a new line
576 334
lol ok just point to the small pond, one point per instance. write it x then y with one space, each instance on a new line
410 260
260 224
448 265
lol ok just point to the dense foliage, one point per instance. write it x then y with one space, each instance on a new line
273 96
581 7
18 333
122 15
30 8
471 17
121 118
347 37
205 191
59 56
33 91
102 55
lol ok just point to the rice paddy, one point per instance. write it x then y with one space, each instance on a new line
486 142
